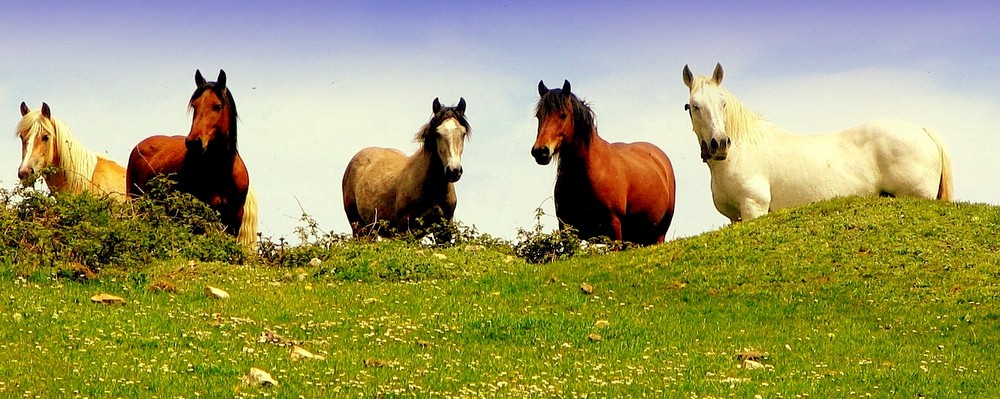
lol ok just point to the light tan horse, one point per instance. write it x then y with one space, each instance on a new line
383 184
758 166
47 141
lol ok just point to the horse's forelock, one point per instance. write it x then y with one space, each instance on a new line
739 119
31 124
583 116
444 114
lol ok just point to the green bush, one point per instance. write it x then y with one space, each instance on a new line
43 230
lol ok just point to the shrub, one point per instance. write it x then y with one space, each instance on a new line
59 230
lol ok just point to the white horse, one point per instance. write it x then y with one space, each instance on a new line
757 166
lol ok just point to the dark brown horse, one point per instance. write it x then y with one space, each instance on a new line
206 163
621 191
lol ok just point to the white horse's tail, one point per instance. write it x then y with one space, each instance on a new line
946 186
248 229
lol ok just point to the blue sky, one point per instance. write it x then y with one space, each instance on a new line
317 81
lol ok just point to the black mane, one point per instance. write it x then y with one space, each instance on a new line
583 117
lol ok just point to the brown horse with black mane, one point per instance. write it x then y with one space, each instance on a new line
206 163
623 191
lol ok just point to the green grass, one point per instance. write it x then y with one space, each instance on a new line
848 298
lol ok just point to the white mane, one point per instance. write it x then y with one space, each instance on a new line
740 121
76 163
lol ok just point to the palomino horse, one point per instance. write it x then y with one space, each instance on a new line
623 191
206 163
46 141
383 184
757 166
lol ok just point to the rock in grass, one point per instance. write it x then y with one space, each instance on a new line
752 365
587 288
300 353
315 262
216 293
602 323
258 377
594 337
107 299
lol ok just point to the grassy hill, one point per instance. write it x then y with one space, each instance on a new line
847 298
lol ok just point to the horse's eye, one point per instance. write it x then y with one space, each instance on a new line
563 115
45 137
217 107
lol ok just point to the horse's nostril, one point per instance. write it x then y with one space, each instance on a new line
715 144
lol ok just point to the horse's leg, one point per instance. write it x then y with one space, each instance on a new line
616 226
752 208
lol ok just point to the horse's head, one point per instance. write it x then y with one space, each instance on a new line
560 115
446 134
37 132
707 108
214 123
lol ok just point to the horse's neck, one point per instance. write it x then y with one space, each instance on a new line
579 154
426 168
74 163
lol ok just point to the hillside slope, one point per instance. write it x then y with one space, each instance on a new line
847 298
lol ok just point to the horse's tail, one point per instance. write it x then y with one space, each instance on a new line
247 237
946 185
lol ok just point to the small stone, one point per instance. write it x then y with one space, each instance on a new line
299 352
587 288
315 262
260 378
107 299
594 337
217 293
602 324
752 364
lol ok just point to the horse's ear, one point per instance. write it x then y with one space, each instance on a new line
461 105
198 79
542 89
220 83
687 76
717 74
46 112
24 109
565 88
436 106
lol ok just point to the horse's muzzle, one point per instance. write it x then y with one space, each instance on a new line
453 174
542 155
716 150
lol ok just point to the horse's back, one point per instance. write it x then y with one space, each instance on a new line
883 156
109 177
909 156
369 184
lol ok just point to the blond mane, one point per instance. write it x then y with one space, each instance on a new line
741 122
76 163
